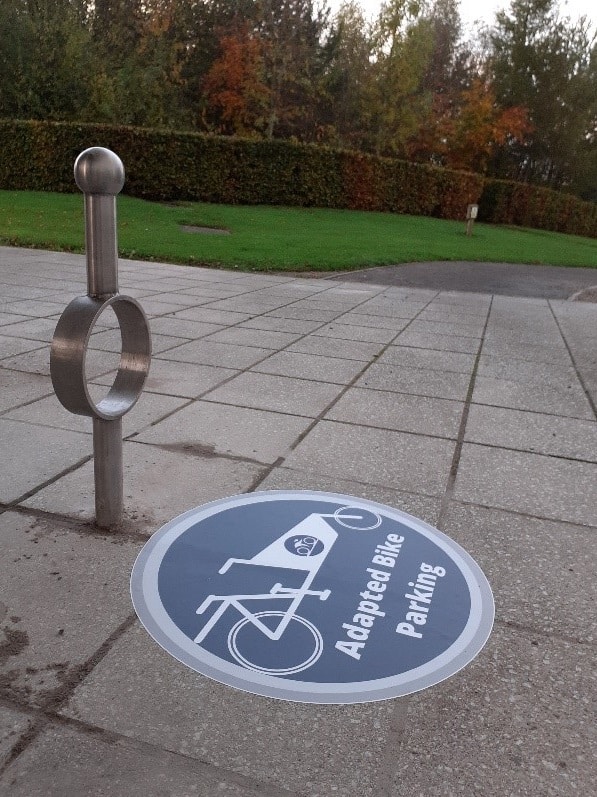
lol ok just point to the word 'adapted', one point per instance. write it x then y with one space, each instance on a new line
368 609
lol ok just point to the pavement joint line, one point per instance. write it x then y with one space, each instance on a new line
528 451
25 403
318 418
453 472
60 696
250 368
83 461
49 718
574 524
252 317
121 533
531 412
538 632
397 728
364 425
575 366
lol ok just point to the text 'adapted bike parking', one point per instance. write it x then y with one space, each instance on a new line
313 597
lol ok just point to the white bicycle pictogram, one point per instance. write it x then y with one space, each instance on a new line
303 548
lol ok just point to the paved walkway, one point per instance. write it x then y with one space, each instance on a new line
505 279
474 412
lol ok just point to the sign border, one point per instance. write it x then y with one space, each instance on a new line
165 632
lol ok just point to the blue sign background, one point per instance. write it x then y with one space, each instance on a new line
189 573
291 544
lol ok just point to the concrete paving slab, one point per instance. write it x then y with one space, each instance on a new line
38 362
337 347
34 362
518 721
358 319
559 374
386 307
35 308
19 388
449 314
150 500
41 329
276 393
247 304
530 431
310 750
7 319
53 581
278 324
421 506
453 328
182 328
543 573
67 761
13 724
210 316
305 314
309 366
418 381
224 429
9 346
439 342
35 454
548 487
399 411
513 333
150 408
111 340
226 355
365 334
179 378
522 350
401 461
567 398
155 307
264 338
457 362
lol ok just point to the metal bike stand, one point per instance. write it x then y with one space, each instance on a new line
99 173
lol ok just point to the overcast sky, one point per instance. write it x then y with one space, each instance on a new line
484 10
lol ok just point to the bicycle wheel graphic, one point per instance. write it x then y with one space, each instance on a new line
309 636
355 517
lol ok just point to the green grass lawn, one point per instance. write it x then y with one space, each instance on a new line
281 239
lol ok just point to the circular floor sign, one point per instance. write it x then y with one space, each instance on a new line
312 597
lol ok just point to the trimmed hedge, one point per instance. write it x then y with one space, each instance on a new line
170 166
505 202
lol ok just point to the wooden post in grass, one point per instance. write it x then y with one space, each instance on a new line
471 215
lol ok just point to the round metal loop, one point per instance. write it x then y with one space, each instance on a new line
69 350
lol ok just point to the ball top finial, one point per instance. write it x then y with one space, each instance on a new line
99 171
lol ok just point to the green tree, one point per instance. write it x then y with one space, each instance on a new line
402 45
293 33
547 64
349 77
44 58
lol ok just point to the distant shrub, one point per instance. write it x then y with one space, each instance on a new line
172 166
505 202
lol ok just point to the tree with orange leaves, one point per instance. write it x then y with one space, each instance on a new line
236 94
480 127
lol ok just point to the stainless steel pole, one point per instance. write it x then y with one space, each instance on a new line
99 173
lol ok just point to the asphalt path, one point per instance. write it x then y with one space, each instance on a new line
506 279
